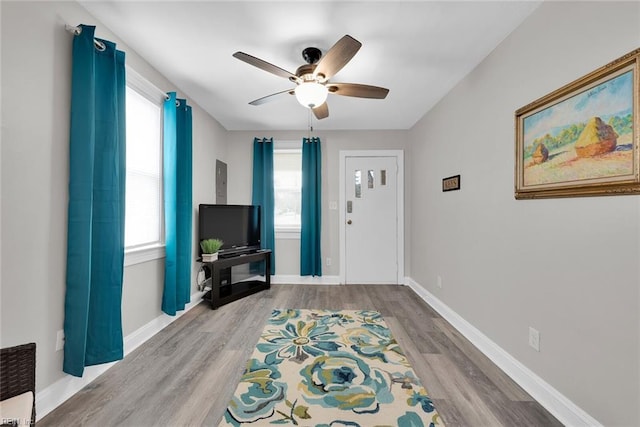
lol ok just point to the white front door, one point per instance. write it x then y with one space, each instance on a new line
371 213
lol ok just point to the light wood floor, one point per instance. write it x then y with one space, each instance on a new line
187 373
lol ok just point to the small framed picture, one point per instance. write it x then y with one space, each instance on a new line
451 183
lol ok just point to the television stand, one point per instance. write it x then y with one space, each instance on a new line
224 294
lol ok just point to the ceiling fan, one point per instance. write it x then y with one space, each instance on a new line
312 78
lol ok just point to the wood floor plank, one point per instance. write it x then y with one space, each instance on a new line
462 394
424 340
510 389
418 362
532 414
488 390
186 374
193 412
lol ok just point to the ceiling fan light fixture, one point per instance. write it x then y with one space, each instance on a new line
311 94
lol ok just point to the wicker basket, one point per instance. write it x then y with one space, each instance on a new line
18 373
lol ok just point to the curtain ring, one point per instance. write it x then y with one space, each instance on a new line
74 30
167 97
99 45
78 30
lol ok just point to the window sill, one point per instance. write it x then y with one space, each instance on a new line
288 233
143 254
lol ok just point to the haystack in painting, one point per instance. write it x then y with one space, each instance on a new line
540 155
596 138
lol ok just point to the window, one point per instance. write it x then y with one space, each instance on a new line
287 181
144 220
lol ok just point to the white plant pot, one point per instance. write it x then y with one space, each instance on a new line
209 257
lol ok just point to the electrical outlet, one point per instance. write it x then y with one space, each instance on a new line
59 340
333 205
534 338
439 282
328 261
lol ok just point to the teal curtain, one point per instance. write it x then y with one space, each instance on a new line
310 238
178 210
263 193
95 227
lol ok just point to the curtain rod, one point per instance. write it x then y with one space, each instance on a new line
76 31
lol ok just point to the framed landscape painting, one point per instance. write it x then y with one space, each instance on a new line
582 139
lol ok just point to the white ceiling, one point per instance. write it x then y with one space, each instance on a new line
418 50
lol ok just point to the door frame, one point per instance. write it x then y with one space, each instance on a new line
399 155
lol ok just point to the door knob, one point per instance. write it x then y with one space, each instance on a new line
349 222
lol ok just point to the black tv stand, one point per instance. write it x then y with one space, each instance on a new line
224 294
241 252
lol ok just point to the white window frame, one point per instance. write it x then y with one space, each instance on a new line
143 253
291 232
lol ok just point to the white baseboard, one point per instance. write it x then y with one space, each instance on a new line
57 393
292 279
555 402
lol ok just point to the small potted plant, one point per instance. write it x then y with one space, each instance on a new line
210 248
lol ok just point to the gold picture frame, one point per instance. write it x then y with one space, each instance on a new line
582 139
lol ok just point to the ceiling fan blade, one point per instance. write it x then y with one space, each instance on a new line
358 90
321 112
337 57
264 65
271 97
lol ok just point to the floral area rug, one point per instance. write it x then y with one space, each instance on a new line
329 368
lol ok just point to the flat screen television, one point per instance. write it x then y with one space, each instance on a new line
238 226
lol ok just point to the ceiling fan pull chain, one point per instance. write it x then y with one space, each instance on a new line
310 122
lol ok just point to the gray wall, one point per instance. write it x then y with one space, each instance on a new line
240 156
36 73
568 267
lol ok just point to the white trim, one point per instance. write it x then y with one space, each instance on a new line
144 87
288 145
288 233
555 402
399 155
292 279
144 254
57 393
